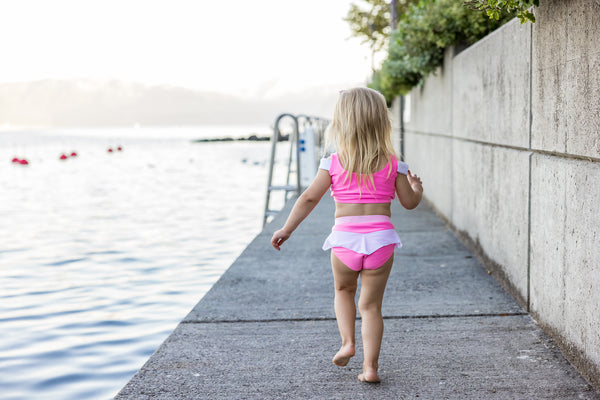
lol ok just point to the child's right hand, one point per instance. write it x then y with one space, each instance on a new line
278 238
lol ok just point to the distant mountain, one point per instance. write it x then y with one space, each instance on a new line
102 103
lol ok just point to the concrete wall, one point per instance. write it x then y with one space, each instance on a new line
507 139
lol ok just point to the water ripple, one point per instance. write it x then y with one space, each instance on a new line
64 262
107 252
127 261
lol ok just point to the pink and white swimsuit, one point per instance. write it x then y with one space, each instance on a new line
363 241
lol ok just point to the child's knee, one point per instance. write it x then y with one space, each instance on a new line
369 307
346 287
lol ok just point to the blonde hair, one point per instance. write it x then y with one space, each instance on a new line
361 133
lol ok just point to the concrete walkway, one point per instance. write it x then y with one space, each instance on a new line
267 330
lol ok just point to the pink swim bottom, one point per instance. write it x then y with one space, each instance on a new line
363 241
359 261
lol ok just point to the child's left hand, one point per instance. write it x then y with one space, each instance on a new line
278 238
415 182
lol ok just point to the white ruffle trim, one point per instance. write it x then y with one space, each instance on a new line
364 243
402 168
325 164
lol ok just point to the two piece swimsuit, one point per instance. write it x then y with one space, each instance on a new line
363 241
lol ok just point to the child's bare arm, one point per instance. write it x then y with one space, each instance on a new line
409 189
304 205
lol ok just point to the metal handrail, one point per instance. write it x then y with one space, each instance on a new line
294 139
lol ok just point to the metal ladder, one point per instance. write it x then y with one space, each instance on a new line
300 123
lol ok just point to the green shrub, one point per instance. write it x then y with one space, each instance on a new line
494 8
417 47
370 21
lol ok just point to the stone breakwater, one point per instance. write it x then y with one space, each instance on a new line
251 138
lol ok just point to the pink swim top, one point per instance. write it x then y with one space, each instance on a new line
348 191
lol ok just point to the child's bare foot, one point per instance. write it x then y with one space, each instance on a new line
343 356
369 375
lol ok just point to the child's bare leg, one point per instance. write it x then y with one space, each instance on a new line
373 283
345 309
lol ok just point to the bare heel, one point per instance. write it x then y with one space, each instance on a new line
343 356
369 375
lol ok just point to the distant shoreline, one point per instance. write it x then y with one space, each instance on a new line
251 138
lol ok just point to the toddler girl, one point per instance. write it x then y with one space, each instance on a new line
364 174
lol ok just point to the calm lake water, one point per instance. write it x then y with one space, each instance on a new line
102 254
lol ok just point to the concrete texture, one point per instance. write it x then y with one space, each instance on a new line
430 150
430 98
490 206
566 78
516 174
252 289
266 329
491 80
291 360
565 232
394 114
430 156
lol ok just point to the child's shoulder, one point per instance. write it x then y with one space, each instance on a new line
401 166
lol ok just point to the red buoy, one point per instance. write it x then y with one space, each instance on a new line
110 150
63 157
16 160
119 148
73 154
23 162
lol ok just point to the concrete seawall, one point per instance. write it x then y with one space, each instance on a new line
507 139
267 330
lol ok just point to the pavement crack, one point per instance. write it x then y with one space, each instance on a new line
388 317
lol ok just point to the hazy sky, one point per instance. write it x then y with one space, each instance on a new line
238 46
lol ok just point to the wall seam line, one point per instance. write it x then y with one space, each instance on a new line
385 317
528 300
506 146
530 169
452 76
530 82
